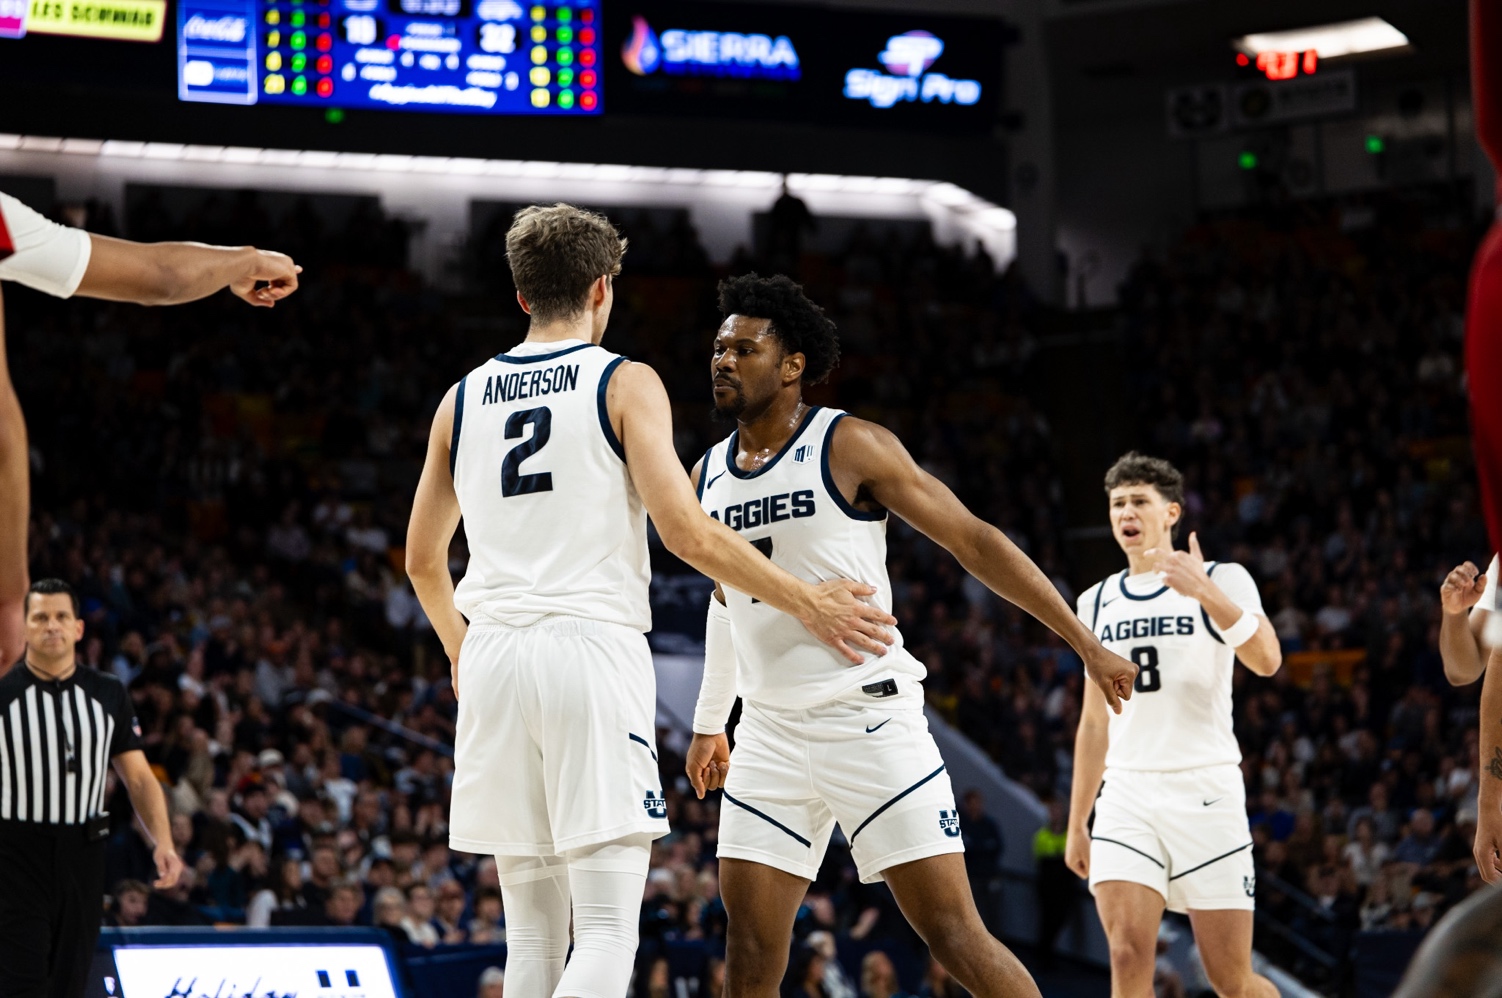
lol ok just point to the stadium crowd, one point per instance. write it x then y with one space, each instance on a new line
228 491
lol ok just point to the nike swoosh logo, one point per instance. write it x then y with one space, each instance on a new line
1103 605
710 483
881 725
1209 802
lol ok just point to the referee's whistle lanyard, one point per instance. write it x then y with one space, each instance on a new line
55 686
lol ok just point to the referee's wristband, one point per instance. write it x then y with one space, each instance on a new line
1241 632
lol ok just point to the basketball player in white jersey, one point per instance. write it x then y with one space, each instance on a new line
554 453
1470 623
1170 819
64 261
820 741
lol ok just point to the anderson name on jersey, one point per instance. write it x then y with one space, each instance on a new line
554 523
791 509
1180 714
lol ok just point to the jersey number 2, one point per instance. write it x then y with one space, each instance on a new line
513 482
1149 680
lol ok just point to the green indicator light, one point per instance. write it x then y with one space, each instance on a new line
299 85
565 98
333 115
299 18
1247 161
565 77
299 40
1375 144
565 57
565 35
564 15
299 62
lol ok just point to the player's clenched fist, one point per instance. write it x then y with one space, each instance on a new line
1462 588
708 762
1113 674
1488 849
269 277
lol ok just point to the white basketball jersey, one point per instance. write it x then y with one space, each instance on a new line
791 509
554 523
1179 716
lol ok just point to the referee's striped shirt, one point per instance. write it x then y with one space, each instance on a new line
56 743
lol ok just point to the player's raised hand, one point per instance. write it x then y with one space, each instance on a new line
1462 588
1113 674
1488 849
1182 571
274 272
708 762
840 618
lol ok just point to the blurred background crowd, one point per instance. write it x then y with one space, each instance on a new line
229 489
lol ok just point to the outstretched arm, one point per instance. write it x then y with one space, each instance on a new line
832 612
63 261
15 509
867 456
174 273
435 517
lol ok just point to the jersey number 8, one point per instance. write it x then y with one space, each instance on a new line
513 482
1149 680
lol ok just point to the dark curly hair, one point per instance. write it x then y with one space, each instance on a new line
799 324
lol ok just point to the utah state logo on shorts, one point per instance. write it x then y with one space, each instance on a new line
1250 885
657 807
949 821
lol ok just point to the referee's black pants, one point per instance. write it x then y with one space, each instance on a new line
51 902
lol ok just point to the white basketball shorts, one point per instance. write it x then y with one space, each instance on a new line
556 742
868 763
1184 834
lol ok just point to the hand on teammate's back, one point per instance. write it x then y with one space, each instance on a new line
1462 588
1113 674
841 619
276 275
707 762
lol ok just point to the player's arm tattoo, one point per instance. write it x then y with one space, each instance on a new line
1495 766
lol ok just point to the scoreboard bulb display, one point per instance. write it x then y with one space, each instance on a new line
1282 65
457 56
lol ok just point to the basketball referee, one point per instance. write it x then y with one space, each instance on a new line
61 727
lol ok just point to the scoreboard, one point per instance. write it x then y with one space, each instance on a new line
459 56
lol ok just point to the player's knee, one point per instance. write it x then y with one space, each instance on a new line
752 957
1129 952
1231 981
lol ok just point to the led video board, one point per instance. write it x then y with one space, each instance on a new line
804 64
458 56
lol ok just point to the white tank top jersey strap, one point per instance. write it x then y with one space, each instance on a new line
554 523
791 509
40 253
1179 716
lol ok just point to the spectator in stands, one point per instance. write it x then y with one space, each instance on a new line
1421 845
250 817
984 844
1385 821
343 905
835 981
324 871
131 898
448 914
283 893
388 911
1057 886
492 983
488 927
1364 854
879 977
419 920
805 974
